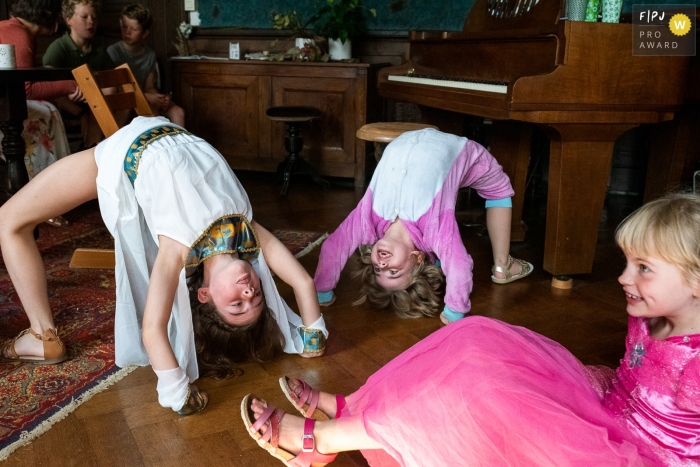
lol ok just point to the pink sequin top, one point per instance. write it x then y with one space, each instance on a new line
655 393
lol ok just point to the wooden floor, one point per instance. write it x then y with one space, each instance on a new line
125 425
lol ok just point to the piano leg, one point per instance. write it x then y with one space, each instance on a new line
510 145
579 167
673 148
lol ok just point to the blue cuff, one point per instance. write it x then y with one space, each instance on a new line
452 315
314 340
499 203
325 297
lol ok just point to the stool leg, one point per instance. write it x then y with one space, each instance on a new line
293 143
378 150
308 168
294 163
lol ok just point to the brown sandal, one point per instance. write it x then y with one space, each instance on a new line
196 401
54 349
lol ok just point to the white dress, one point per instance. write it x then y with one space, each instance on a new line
183 185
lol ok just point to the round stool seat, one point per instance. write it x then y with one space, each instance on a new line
386 132
293 114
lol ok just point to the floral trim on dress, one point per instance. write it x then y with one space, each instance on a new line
228 234
133 155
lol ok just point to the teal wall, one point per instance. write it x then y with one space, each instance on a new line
392 15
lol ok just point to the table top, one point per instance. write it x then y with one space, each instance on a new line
271 63
35 74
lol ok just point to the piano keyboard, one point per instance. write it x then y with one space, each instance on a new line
473 84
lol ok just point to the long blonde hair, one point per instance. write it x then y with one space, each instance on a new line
666 228
422 296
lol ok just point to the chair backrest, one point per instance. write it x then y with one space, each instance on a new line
127 94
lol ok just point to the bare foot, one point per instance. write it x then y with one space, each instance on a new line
312 355
290 431
326 402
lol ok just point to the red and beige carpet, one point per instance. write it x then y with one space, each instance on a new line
34 397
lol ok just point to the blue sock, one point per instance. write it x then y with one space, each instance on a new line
452 315
325 297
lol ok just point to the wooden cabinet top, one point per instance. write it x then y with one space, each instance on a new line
272 68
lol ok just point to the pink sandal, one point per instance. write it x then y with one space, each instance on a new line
308 456
305 400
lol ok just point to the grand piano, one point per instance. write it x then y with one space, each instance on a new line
518 63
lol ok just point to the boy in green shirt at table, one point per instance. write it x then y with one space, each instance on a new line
74 49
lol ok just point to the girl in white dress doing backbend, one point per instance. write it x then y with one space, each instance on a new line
179 217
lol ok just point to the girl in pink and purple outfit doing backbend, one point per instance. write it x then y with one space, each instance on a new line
407 217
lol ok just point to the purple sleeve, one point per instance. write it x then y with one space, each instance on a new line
483 173
455 262
355 230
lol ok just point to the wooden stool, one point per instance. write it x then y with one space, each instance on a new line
384 133
293 117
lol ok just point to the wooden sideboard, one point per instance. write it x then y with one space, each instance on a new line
225 103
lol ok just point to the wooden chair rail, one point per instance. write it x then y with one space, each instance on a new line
123 93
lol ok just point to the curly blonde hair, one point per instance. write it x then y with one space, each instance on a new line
68 6
667 228
422 296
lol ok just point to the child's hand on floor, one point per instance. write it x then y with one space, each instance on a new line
448 315
326 298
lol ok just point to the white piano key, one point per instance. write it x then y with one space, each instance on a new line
498 88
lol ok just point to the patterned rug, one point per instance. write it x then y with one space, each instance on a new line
34 397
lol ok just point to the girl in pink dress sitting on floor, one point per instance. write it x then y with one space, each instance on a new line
504 395
407 218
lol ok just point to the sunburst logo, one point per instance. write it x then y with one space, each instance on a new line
679 24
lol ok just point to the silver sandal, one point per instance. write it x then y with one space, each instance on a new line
527 268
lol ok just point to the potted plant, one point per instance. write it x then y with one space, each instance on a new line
336 20
293 22
306 46
182 43
339 21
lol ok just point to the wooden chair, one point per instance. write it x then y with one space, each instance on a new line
124 94
128 95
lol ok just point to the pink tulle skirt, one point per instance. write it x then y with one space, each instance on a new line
480 392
